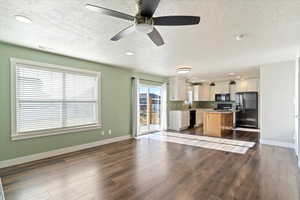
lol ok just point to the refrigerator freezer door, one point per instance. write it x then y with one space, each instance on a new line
248 113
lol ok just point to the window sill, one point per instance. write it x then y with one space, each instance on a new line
56 132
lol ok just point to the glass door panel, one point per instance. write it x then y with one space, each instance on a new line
143 94
155 108
150 108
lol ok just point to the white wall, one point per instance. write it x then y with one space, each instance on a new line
277 94
297 106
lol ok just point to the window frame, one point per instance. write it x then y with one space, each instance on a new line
14 62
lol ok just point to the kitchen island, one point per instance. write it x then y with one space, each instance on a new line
217 123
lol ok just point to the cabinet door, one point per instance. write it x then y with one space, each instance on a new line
252 85
232 91
196 93
222 87
199 117
177 88
213 124
182 90
212 93
217 88
242 86
205 92
172 89
225 87
185 119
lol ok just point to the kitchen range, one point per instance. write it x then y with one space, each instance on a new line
215 108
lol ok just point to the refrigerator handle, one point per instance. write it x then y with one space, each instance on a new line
244 109
241 103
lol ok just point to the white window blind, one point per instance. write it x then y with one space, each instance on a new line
52 99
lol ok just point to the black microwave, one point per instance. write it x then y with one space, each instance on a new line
222 97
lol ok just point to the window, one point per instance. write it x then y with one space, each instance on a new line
48 99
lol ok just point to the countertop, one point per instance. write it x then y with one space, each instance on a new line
220 111
210 110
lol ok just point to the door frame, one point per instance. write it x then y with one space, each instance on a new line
148 86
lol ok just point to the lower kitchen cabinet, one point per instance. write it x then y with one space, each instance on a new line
199 117
217 124
179 119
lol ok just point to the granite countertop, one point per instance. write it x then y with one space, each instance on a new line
219 111
211 110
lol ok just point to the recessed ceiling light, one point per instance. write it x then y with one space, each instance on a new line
231 73
129 53
240 37
183 69
23 19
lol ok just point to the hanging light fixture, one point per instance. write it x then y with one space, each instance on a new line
232 82
212 84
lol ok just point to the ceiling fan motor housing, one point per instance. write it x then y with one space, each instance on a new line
143 24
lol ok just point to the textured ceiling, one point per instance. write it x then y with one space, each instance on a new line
67 27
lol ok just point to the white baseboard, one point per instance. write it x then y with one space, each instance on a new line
38 156
277 143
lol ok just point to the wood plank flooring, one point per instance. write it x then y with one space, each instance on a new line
154 170
234 135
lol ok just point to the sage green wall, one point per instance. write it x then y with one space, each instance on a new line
116 103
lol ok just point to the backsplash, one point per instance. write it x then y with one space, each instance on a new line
181 105
177 105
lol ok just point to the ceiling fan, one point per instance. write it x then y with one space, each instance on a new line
144 21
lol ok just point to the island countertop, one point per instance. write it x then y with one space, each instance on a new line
220 111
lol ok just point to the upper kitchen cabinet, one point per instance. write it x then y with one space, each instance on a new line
232 90
222 87
177 89
249 85
212 92
201 92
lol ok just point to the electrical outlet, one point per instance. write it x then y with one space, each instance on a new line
102 133
109 131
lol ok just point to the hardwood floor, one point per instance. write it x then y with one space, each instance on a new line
151 169
234 135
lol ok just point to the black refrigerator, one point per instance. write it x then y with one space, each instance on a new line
247 109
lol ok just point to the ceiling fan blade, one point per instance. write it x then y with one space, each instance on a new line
123 33
148 7
156 37
176 20
109 12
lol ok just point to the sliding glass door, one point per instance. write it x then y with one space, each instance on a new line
150 108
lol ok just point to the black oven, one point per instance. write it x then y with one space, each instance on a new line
222 97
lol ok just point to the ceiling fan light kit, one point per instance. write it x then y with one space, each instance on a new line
144 22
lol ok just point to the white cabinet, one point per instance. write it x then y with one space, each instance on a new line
212 92
177 89
179 120
249 85
222 87
201 92
232 91
252 85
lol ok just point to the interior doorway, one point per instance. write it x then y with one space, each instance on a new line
150 108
